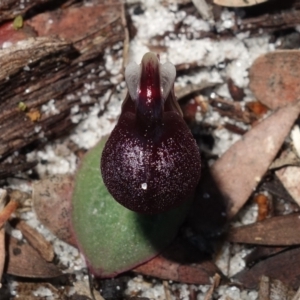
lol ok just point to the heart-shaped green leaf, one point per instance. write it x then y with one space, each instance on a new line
113 238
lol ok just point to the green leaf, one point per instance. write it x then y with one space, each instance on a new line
112 238
18 22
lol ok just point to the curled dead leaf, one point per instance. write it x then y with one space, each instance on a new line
52 204
289 176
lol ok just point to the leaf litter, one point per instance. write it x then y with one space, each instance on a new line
250 151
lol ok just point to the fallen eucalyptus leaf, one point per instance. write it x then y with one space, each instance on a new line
24 261
283 266
180 262
113 238
287 158
274 289
274 78
262 252
52 205
276 231
289 176
241 168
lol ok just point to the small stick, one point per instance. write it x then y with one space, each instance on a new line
167 290
215 284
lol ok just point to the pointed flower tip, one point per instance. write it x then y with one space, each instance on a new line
150 78
150 57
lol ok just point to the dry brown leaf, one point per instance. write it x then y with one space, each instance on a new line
180 262
287 158
283 266
83 289
290 178
274 78
24 261
36 240
52 204
273 289
276 231
262 252
163 268
241 168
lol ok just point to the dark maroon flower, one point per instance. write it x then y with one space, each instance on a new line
150 162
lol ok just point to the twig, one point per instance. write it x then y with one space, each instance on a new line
215 284
3 194
264 288
297 295
167 290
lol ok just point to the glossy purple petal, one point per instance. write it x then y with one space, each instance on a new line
151 162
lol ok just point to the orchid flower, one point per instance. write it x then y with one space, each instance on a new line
151 162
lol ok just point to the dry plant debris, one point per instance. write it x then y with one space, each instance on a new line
25 261
275 231
274 78
180 263
241 168
41 69
52 204
282 266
